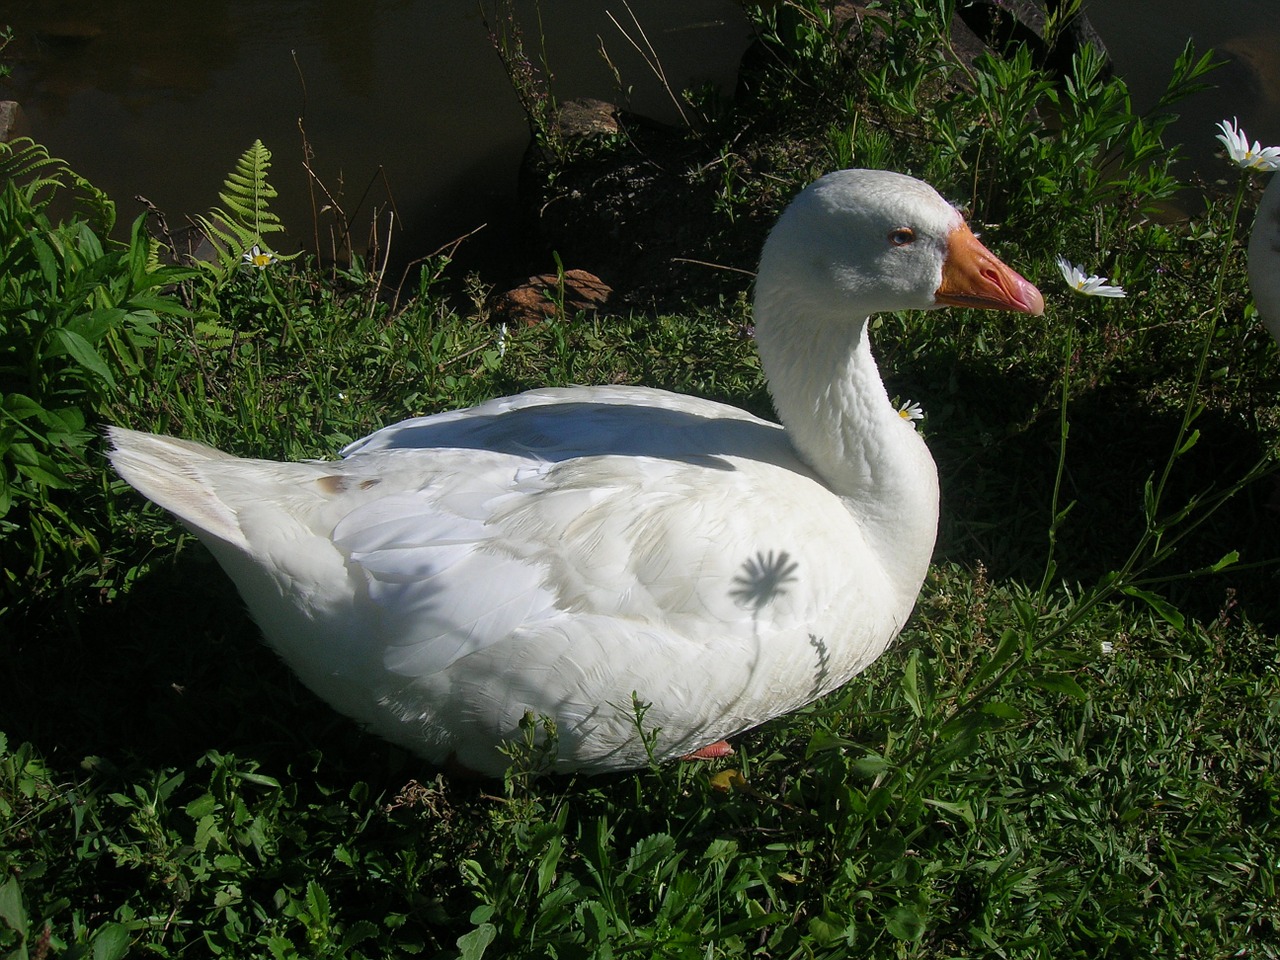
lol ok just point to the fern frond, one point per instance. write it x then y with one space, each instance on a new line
215 335
230 238
25 160
245 216
158 255
247 193
29 167
101 205
23 156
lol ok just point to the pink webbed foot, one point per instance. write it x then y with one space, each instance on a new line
712 751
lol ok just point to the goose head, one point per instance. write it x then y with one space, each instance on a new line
854 243
850 245
857 242
1264 258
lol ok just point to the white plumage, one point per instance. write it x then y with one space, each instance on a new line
565 553
1264 257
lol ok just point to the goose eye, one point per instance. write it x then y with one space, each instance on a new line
902 236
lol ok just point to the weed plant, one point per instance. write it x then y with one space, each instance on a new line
1068 753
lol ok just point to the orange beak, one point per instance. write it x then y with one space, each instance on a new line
973 276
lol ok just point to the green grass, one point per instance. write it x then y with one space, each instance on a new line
1068 753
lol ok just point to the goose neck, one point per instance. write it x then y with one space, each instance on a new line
829 395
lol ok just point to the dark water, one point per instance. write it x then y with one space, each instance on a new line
404 102
1145 37
406 105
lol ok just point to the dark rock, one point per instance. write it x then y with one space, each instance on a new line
13 122
1003 24
585 118
542 296
1253 67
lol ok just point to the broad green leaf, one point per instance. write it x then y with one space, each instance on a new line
1002 711
206 831
963 809
473 945
905 923
878 801
47 259
318 903
84 354
1060 683
359 931
12 911
111 942
143 305
44 473
547 866
88 243
910 683
720 849
261 779
96 323
594 920
472 872
1010 643
827 929
823 740
653 852
21 407
1167 611
870 766
67 420
1228 560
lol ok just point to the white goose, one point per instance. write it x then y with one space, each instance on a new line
1264 257
570 553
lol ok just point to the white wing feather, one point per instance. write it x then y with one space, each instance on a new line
548 553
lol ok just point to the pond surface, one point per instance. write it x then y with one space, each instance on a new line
406 106
1145 38
403 101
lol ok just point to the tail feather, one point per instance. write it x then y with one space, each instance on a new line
166 470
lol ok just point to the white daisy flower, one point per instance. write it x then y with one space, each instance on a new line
257 257
1089 286
910 412
1255 157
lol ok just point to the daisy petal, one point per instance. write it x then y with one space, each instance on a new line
1243 154
1087 285
257 257
910 412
